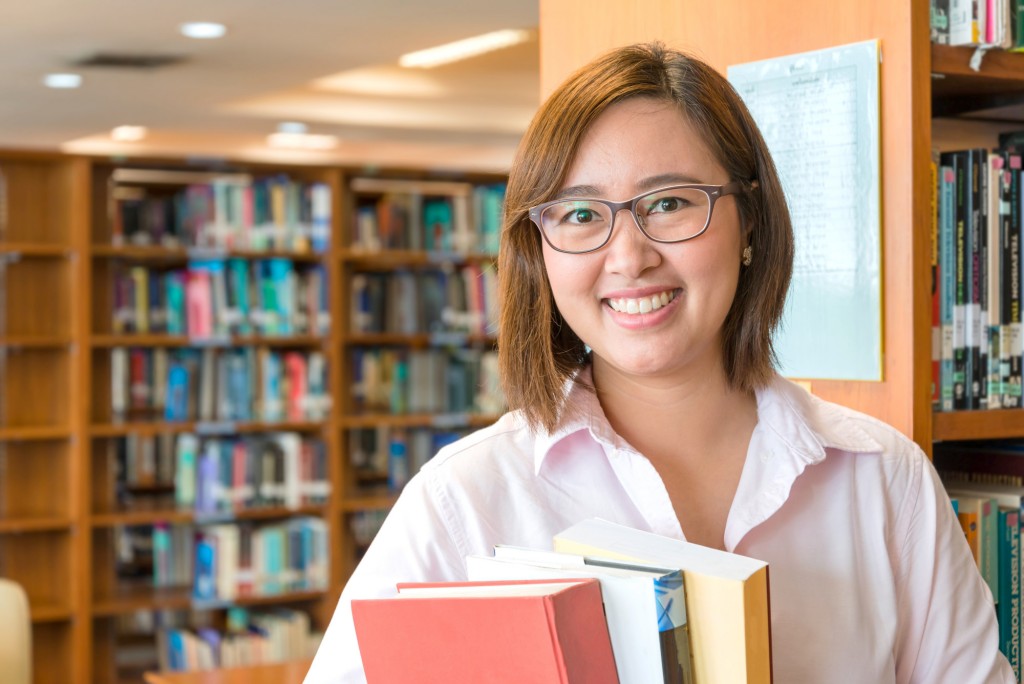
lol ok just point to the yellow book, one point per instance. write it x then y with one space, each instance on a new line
726 597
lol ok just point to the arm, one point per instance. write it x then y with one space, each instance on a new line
413 545
947 624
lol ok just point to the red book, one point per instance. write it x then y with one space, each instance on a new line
199 301
543 632
295 367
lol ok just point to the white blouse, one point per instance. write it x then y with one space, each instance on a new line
871 579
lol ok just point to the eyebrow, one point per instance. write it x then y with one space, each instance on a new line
649 183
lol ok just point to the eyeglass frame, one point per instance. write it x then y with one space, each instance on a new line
714 192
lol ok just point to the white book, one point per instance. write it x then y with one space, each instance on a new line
961 26
119 381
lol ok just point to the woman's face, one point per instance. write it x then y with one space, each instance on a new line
636 146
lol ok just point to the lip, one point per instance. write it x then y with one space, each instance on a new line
642 321
640 292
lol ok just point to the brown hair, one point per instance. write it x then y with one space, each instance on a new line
538 352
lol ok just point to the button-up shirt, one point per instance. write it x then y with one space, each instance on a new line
871 579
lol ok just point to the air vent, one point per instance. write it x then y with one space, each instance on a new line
120 60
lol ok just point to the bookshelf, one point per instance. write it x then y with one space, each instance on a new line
89 452
42 215
417 278
211 342
970 108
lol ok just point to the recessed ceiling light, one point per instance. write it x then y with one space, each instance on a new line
292 127
203 30
302 141
464 49
128 133
62 80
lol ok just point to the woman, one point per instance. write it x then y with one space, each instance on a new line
644 263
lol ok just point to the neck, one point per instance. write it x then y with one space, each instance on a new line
683 418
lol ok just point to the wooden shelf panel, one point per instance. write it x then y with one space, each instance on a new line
127 598
34 524
141 516
157 340
998 85
131 597
389 259
443 421
183 254
34 249
965 425
26 434
35 341
365 502
451 339
996 66
203 429
49 613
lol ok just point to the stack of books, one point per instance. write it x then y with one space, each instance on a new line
609 604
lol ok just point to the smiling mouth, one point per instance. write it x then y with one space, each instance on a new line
643 305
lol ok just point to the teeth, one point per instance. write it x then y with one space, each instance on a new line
642 305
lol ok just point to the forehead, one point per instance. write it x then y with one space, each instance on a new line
637 139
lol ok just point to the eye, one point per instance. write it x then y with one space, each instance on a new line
667 205
576 214
579 216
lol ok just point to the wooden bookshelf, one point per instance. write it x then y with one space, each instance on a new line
63 502
969 109
390 235
39 401
112 506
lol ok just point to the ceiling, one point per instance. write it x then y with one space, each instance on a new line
331 64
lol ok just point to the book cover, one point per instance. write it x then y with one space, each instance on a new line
969 524
727 604
985 511
644 606
947 282
1009 586
546 632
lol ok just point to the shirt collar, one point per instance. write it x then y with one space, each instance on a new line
809 425
806 424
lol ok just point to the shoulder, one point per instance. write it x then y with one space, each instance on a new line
871 452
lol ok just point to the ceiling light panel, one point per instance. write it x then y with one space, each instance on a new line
203 30
464 49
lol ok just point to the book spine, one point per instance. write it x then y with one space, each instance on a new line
993 254
1015 338
975 338
936 393
960 310
947 281
1009 587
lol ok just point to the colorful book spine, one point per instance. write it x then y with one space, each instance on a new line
947 282
1009 608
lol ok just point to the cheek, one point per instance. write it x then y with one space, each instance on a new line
567 275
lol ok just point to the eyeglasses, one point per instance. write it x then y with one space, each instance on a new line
673 214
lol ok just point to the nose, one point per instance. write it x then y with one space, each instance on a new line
629 252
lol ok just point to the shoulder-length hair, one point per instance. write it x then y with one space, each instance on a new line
538 351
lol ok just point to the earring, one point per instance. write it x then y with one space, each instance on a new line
748 255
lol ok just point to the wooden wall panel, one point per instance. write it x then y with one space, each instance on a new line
736 31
